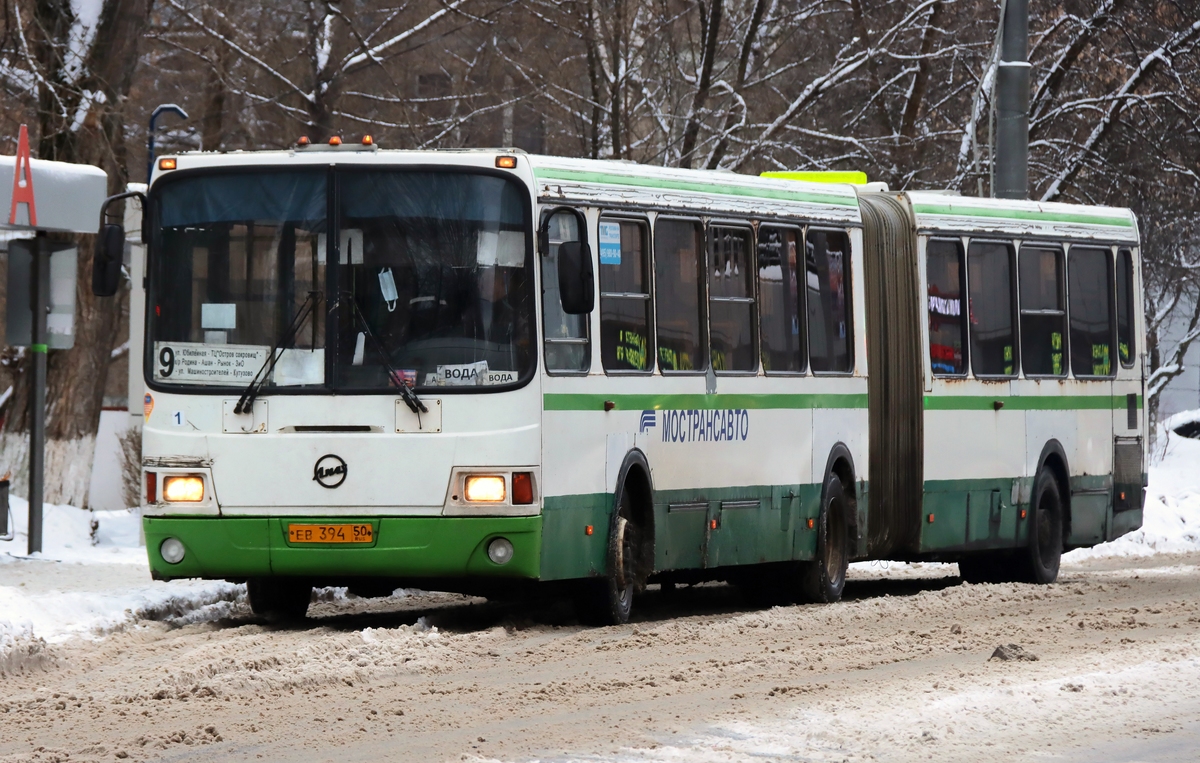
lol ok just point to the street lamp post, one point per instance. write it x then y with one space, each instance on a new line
162 108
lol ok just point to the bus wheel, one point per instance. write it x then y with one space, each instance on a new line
609 600
279 599
1045 531
823 579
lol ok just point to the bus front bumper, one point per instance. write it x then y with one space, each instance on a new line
402 547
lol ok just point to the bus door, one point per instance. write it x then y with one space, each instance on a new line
1091 342
992 277
1128 411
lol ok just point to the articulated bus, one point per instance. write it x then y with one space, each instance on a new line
491 372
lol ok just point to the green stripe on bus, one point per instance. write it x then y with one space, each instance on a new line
1028 403
1012 214
565 402
694 186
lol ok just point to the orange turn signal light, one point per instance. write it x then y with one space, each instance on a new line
587 530
506 162
167 164
712 523
335 141
930 519
522 488
810 523
1023 512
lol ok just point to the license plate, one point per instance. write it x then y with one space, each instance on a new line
356 533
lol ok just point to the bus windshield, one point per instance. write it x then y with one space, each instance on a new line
428 282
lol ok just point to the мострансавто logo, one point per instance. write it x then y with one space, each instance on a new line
648 421
730 425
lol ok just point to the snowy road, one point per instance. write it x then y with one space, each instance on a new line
97 662
898 672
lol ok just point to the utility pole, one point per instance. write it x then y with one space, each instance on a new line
40 304
1011 173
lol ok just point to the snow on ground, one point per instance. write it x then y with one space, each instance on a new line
954 723
90 579
47 598
1171 519
76 535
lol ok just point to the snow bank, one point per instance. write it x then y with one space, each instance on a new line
70 534
1171 520
75 541
55 616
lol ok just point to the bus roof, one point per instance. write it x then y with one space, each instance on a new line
711 192
937 212
618 184
608 183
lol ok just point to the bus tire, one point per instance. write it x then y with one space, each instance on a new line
823 579
608 600
279 599
1044 553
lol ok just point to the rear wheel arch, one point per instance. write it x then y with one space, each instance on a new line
1054 459
841 463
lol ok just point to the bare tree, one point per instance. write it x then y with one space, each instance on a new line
75 71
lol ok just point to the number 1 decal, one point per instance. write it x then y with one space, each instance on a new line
178 419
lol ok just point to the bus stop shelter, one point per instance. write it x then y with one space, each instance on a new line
44 197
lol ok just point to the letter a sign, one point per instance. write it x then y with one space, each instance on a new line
22 191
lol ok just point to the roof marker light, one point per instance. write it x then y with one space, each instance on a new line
302 141
367 140
335 141
506 162
166 164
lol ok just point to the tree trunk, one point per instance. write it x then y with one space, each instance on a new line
76 377
711 25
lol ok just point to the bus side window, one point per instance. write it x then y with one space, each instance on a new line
990 308
781 311
827 285
679 295
947 318
1089 289
1125 345
731 299
1043 311
567 344
624 295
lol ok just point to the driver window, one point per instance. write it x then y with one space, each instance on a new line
567 344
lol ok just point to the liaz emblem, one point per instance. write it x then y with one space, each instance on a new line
329 471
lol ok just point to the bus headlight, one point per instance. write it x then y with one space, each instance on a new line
187 488
500 551
484 489
172 551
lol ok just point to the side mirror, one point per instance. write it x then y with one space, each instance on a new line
576 281
106 260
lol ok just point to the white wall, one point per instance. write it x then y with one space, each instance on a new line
105 491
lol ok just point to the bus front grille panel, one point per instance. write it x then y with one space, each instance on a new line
895 385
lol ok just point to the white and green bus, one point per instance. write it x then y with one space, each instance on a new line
491 372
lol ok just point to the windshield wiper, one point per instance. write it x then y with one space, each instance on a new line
245 403
410 398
